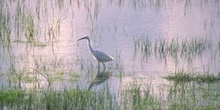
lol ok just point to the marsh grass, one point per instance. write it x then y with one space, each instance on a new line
74 76
144 45
175 48
41 70
137 98
34 43
184 76
5 29
56 100
68 99
193 90
185 95
31 29
191 95
25 26
11 97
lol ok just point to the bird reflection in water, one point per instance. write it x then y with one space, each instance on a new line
100 78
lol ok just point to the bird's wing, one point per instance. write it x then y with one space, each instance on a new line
101 56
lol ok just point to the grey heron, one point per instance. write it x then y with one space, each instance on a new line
100 56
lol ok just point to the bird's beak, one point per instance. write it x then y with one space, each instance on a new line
80 39
84 37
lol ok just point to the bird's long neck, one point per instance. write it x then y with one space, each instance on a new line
90 47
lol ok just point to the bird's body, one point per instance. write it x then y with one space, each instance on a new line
98 55
101 56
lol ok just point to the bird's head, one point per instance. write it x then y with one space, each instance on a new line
84 37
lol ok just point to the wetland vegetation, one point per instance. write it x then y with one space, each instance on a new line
167 55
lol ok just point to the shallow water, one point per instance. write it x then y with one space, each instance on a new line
112 26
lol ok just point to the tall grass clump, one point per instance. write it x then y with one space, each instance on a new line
134 97
194 47
144 45
175 48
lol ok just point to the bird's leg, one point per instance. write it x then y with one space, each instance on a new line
98 66
104 65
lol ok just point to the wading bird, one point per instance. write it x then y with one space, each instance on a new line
100 56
